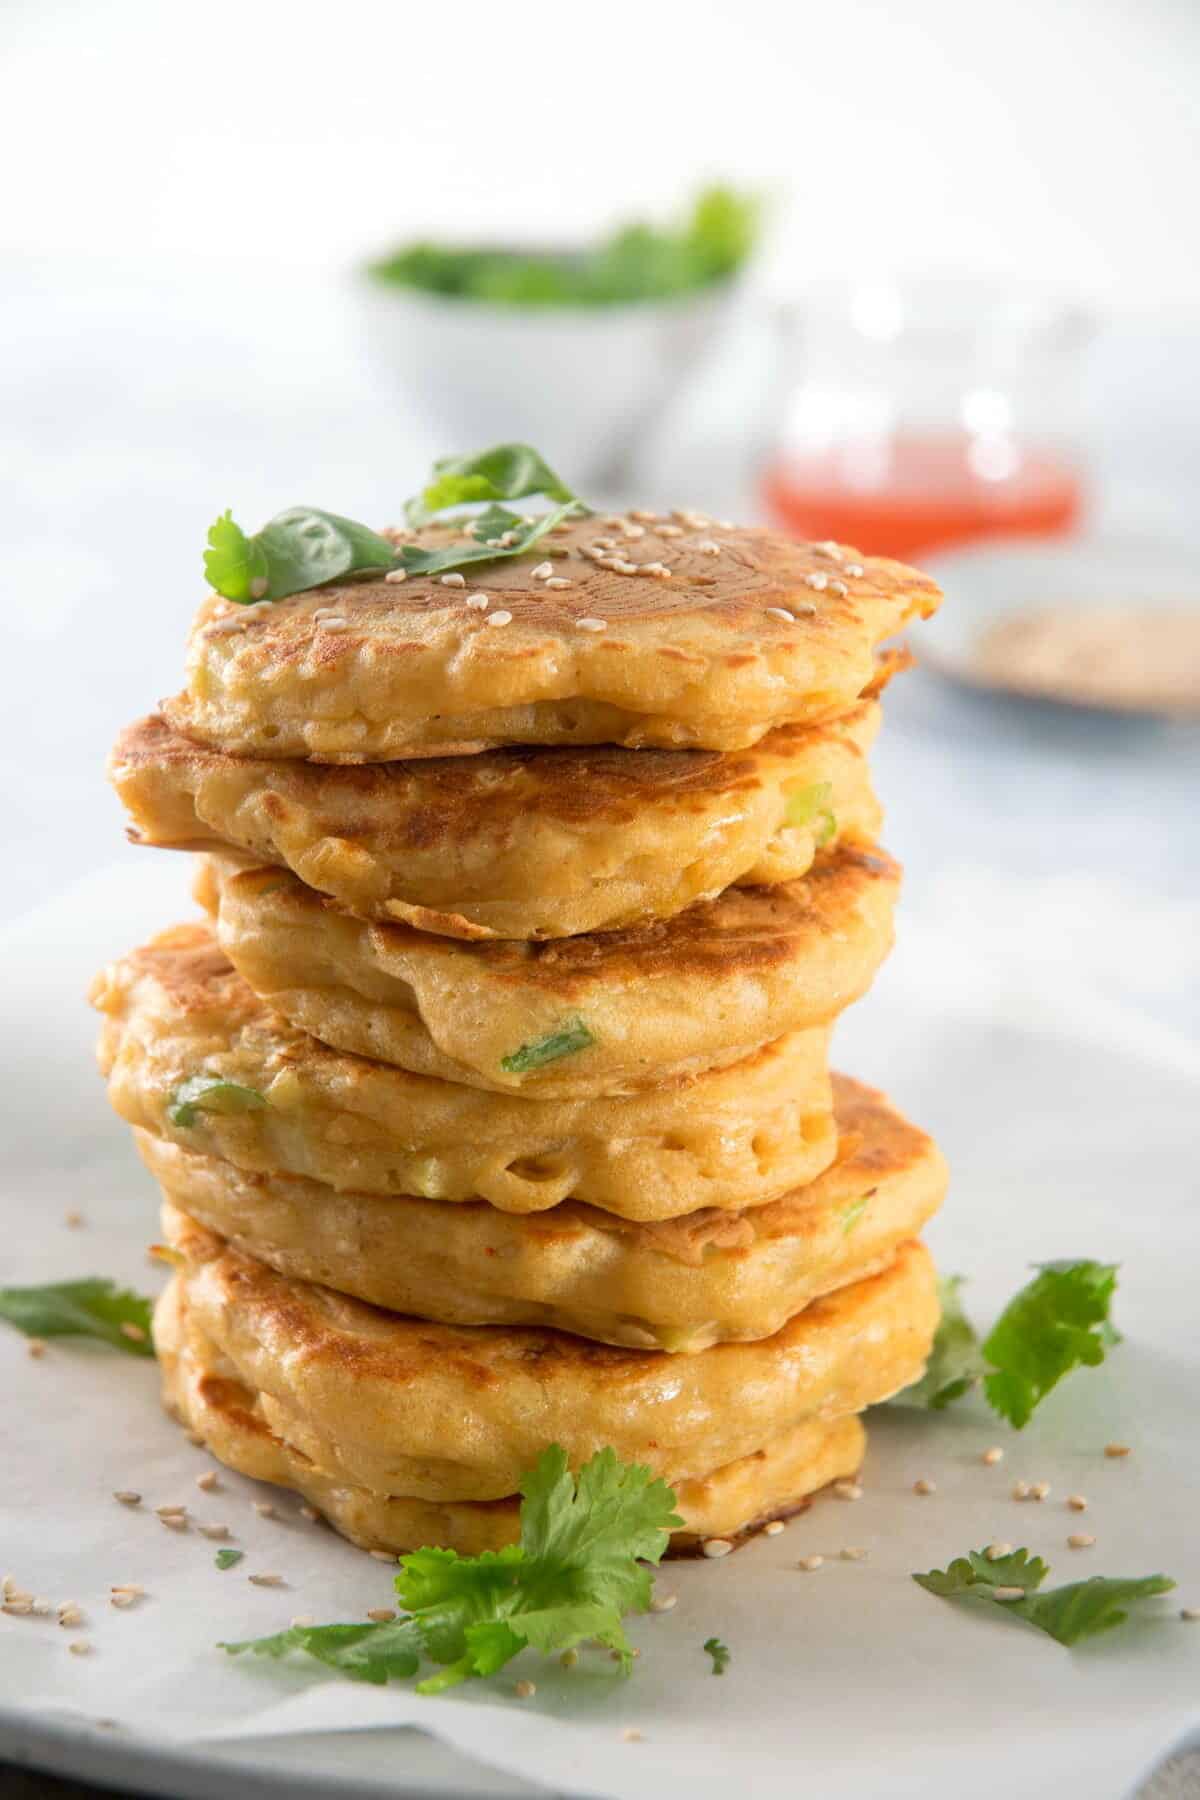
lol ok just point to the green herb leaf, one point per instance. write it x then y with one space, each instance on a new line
299 549
210 1093
227 1558
505 472
1068 1614
1057 1323
566 1041
955 1363
580 1566
719 1653
91 1308
462 556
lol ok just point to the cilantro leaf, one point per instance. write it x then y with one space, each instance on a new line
299 549
210 1093
1055 1324
719 1653
1068 1614
90 1308
566 1041
505 472
225 1559
955 1362
576 1571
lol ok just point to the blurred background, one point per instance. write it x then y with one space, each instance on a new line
961 322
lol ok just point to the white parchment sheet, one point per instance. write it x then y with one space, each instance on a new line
1071 1124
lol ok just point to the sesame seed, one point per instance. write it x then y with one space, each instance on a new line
383 1556
847 1490
829 547
258 587
670 531
592 624
477 602
631 1735
817 581
213 1531
500 618
995 1551
381 1615
334 624
36 1347
774 1527
1115 1450
1040 1490
264 1509
659 569
716 1547
302 1621
664 1602
1008 1593
839 588
525 1690
453 580
855 569
1190 1613
1020 1490
707 547
127 1497
559 581
73 1219
266 1580
208 1481
696 521
120 1599
602 544
165 1512
174 1521
17 1609
724 524
127 1587
69 1615
644 514
777 612
569 1658
396 575
632 531
1080 1540
924 1486
1077 1502
623 566
79 1647
853 1553
197 1438
311 1514
543 570
8 1587
993 1456
809 1563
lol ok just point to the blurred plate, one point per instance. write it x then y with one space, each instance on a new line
1106 577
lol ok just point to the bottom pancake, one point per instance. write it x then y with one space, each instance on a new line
732 1502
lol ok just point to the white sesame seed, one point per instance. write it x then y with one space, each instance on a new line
174 1521
525 1690
17 1609
208 1481
1077 1502
500 618
1020 1490
713 1547
120 1599
696 521
623 566
1008 1593
477 602
809 1563
924 1486
631 1735
381 1615
602 544
8 1587
644 514
664 1602
1115 1450
855 569
1080 1540
453 580
569 1658
396 575
127 1497
79 1647
135 1333
707 547
817 581
559 581
847 1490
197 1438
724 524
632 531
1040 1490
383 1556
213 1531
335 624
1190 1613
302 1621
670 531
829 547
993 1456
777 612
995 1551
127 1587
774 1527
839 588
69 1615
264 1509
36 1347
591 624
853 1553
542 572
266 1580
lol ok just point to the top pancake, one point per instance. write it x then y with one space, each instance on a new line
749 630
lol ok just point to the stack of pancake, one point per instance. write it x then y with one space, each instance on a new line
491 1105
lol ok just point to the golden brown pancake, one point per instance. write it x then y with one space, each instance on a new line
442 1412
176 1013
747 631
682 1285
515 843
609 1013
731 1502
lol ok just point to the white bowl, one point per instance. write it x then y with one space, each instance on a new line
582 384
